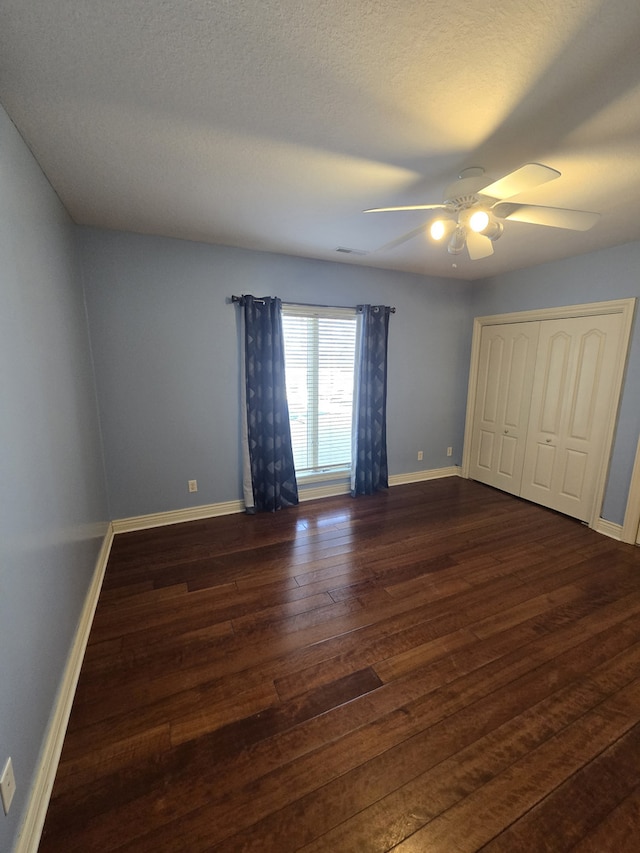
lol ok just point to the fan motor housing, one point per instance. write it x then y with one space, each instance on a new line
463 193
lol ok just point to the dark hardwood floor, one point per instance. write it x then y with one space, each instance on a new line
438 668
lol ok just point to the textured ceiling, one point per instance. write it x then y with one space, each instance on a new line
271 124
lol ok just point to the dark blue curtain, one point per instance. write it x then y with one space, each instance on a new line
273 476
369 468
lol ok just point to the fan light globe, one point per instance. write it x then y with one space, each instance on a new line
437 229
478 220
441 228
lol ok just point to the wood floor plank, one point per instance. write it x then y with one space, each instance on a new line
483 752
618 831
281 785
577 806
372 829
437 667
471 823
277 784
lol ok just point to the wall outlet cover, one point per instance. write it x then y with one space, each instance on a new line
7 786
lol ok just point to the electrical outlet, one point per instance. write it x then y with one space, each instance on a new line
449 451
7 785
193 485
420 456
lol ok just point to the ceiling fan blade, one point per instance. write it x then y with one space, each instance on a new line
406 207
403 239
478 245
525 178
556 217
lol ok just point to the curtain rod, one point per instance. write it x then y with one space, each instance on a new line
301 304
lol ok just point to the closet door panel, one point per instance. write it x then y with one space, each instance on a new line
573 390
554 378
503 393
545 458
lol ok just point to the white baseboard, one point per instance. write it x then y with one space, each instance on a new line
33 823
160 519
608 528
421 476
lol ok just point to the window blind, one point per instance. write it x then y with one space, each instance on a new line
320 346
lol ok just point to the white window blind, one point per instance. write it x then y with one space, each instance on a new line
320 346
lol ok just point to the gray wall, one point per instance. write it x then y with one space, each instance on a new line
52 495
596 277
166 352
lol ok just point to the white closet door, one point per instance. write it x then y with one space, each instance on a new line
503 396
573 392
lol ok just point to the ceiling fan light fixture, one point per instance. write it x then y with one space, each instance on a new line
472 212
493 230
479 220
482 221
457 241
441 228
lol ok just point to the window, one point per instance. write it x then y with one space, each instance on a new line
320 346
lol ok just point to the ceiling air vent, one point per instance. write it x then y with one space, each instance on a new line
347 251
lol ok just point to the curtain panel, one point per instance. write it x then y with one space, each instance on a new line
369 471
268 452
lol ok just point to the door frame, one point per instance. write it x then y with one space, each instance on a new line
625 307
631 524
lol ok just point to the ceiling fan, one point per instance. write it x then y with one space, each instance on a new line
473 212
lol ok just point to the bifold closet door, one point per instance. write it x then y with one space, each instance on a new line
573 392
506 370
